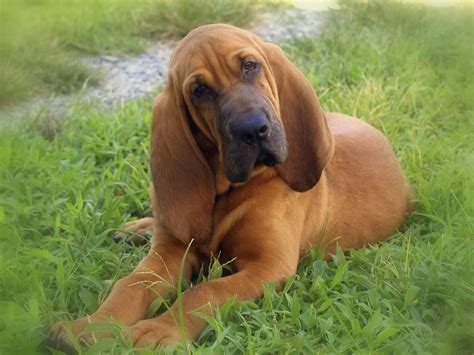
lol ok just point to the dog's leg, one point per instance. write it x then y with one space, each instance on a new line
258 261
155 276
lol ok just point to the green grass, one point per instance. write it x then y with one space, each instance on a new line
406 70
41 40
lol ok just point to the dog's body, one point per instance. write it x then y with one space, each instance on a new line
361 198
247 166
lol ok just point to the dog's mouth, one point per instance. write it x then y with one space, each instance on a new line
239 169
240 159
265 158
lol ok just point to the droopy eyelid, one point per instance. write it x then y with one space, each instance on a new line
199 77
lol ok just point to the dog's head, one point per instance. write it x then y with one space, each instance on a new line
249 102
230 93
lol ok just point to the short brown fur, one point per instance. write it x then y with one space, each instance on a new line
341 183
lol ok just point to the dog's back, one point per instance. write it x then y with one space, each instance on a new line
369 195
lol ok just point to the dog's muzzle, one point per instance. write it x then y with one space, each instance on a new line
252 140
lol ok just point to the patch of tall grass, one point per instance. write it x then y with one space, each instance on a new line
41 41
405 70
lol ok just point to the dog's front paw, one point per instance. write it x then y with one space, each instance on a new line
155 332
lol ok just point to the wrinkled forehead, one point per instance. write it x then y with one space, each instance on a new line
213 49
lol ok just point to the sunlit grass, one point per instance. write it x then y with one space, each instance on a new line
40 41
405 70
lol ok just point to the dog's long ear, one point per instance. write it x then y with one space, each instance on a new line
183 181
310 142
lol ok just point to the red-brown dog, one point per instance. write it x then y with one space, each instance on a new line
246 164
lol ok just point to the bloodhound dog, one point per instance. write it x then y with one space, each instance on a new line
246 165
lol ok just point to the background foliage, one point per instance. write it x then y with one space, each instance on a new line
42 41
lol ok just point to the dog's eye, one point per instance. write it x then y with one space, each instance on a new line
201 91
249 66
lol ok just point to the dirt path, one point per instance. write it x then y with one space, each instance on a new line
130 77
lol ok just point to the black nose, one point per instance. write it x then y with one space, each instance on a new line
251 129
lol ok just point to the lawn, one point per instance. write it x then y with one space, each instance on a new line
407 70
42 41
